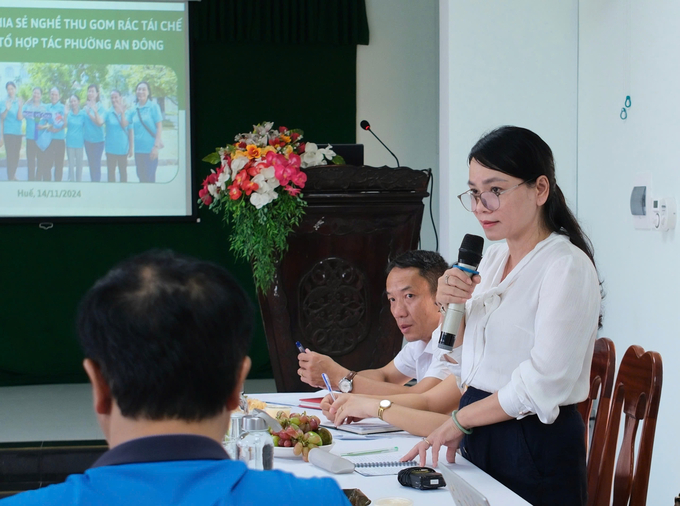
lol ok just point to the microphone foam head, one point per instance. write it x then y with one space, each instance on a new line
470 251
365 124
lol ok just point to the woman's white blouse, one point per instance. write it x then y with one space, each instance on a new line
531 336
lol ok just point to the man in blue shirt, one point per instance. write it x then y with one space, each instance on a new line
165 339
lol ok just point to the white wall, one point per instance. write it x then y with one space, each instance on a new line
632 47
504 63
397 83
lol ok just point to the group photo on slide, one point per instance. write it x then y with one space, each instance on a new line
64 122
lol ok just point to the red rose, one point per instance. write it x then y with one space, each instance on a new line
294 136
282 129
301 148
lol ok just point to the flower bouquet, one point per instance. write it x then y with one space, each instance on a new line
257 187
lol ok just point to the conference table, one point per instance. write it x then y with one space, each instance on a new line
377 487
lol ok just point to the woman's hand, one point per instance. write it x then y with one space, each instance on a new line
446 435
455 287
350 408
154 153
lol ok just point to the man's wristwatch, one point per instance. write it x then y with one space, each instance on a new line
346 383
384 404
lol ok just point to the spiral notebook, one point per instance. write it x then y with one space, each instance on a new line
379 465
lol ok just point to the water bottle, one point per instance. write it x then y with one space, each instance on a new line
233 435
255 445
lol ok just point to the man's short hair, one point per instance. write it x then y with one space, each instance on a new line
169 334
430 264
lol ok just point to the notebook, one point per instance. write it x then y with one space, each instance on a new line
462 492
364 427
311 403
379 464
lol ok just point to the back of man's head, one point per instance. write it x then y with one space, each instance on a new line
430 264
169 334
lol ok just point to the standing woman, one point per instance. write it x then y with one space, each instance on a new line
75 141
11 116
32 112
118 137
57 148
148 128
93 132
531 320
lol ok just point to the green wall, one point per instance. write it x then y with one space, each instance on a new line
44 273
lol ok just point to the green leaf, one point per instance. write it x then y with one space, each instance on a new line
213 158
338 160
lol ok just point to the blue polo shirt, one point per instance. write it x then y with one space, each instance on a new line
11 124
91 131
116 142
150 114
58 112
31 112
180 469
74 129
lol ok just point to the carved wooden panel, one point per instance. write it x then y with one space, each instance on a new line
333 307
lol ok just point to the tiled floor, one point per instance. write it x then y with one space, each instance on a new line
61 412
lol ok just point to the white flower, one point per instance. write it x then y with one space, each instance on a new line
263 129
237 164
315 156
222 180
212 189
266 180
262 199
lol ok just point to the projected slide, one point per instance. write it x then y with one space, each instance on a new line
94 109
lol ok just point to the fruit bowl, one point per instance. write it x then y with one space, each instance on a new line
287 453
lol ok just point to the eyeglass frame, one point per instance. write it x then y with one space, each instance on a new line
478 198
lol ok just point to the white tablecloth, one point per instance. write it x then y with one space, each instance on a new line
376 487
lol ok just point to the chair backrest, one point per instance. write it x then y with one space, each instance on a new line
637 391
602 371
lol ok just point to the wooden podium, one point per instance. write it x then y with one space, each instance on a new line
329 289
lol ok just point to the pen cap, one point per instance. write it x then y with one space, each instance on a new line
329 462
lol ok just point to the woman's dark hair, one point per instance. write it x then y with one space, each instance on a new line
521 153
96 89
148 87
10 83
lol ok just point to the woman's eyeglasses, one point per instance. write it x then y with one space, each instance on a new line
490 200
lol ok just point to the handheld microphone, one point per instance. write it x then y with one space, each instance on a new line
367 126
469 256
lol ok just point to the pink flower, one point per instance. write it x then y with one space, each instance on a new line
234 192
205 196
299 179
293 192
249 187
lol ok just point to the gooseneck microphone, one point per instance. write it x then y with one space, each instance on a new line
469 256
367 126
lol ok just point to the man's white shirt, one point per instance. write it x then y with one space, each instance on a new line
421 360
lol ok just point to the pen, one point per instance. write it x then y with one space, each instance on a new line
370 452
300 347
328 384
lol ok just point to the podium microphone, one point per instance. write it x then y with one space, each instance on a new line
469 256
367 126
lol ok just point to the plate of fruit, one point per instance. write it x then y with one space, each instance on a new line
299 434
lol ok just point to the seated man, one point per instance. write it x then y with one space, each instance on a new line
411 287
165 341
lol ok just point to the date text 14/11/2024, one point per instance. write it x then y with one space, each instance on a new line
53 194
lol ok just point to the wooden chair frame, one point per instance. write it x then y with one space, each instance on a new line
637 391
